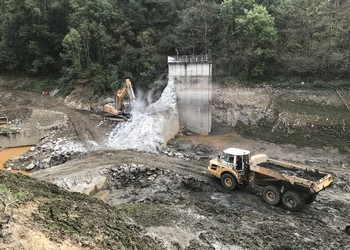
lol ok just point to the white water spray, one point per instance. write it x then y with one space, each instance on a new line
152 129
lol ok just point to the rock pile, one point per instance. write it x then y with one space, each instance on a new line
142 183
46 155
139 175
198 152
5 216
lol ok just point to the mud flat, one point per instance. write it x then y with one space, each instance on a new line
20 139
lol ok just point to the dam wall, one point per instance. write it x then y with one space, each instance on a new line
193 85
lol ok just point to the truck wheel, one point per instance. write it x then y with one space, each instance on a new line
311 198
293 201
228 181
271 195
347 229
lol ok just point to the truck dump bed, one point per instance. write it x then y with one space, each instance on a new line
312 181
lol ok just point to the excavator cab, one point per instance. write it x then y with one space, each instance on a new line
124 102
127 107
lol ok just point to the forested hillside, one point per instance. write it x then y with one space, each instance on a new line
114 39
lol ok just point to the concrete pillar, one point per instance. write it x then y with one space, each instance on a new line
193 85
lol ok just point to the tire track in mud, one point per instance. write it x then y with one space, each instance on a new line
83 126
263 226
107 159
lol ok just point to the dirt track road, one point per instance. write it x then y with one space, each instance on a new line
204 217
116 158
84 123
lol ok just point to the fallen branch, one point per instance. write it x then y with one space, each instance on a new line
8 204
343 100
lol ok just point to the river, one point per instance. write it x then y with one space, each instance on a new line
7 153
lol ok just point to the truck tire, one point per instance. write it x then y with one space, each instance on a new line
347 229
271 195
311 198
228 181
293 201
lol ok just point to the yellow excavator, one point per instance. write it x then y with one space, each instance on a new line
124 102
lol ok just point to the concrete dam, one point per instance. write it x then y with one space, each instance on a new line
193 85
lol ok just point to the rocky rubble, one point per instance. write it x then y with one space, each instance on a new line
139 183
234 104
183 149
5 216
47 154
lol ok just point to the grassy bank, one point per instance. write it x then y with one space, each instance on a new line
319 121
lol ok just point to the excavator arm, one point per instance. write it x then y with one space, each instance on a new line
127 88
121 107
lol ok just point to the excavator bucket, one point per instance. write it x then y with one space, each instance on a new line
3 120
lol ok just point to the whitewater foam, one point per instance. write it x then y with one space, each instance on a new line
150 130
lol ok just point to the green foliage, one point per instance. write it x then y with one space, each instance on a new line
256 26
248 28
21 196
139 63
5 130
196 32
42 85
311 35
32 35
66 82
91 21
250 39
18 195
4 189
103 77
229 10
72 49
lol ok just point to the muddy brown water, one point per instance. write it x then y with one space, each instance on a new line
23 138
7 153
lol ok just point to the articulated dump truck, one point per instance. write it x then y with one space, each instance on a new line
279 182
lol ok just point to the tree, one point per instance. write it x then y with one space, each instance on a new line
197 31
256 33
309 38
92 20
30 41
72 49
248 37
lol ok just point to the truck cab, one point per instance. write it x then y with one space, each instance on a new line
231 167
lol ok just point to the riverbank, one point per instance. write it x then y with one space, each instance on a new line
7 153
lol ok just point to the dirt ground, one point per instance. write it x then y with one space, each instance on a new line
153 201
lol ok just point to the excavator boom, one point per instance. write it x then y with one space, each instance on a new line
122 106
127 88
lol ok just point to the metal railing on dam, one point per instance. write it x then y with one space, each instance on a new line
189 59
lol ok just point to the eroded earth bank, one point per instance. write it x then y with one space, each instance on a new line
84 194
